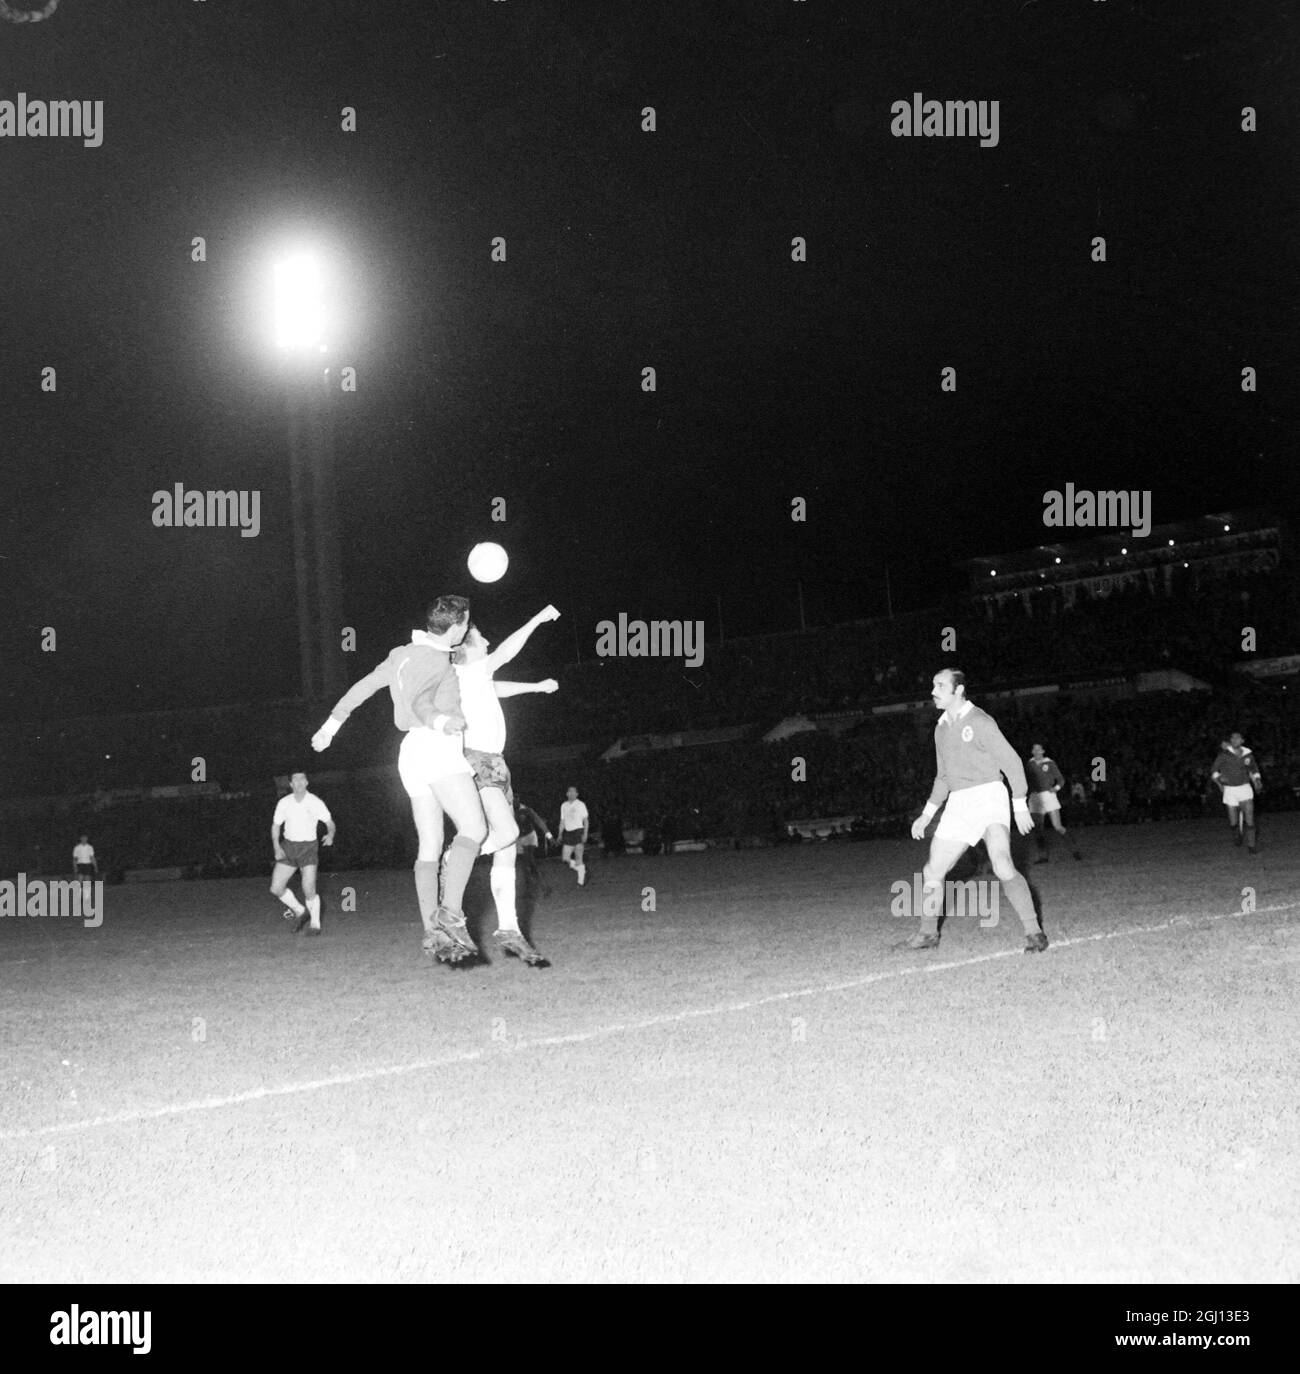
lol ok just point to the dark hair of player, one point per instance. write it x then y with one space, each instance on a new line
958 677
446 612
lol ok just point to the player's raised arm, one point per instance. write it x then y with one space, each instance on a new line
515 689
512 644
358 693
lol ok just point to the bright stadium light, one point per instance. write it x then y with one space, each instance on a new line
299 303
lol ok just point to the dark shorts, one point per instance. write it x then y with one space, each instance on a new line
85 870
490 771
300 853
571 837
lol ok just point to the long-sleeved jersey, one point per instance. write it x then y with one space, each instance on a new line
420 678
972 750
1043 774
1235 769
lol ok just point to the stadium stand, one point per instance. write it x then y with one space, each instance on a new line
1135 659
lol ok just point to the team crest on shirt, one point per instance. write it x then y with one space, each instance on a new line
967 734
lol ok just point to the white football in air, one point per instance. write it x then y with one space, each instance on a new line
488 562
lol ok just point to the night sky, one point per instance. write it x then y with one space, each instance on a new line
626 249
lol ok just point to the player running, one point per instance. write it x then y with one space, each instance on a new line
485 742
299 813
432 766
1045 781
972 757
573 833
1238 779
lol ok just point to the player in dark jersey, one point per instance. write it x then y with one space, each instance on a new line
426 707
1045 781
1237 777
972 757
531 825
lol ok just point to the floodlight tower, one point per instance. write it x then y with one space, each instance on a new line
301 328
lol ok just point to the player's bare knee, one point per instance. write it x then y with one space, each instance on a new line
1004 870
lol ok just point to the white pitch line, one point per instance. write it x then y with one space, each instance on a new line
210 1104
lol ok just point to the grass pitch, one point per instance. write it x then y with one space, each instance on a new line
748 1083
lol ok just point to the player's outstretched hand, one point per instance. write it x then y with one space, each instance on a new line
550 685
550 613
453 725
320 741
1024 821
918 828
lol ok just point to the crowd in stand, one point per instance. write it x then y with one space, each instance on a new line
1156 749
1142 758
1197 629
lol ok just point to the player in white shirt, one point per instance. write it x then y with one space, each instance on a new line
484 743
573 833
298 814
84 864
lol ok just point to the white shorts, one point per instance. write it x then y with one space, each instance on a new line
971 810
1242 792
426 756
1043 803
